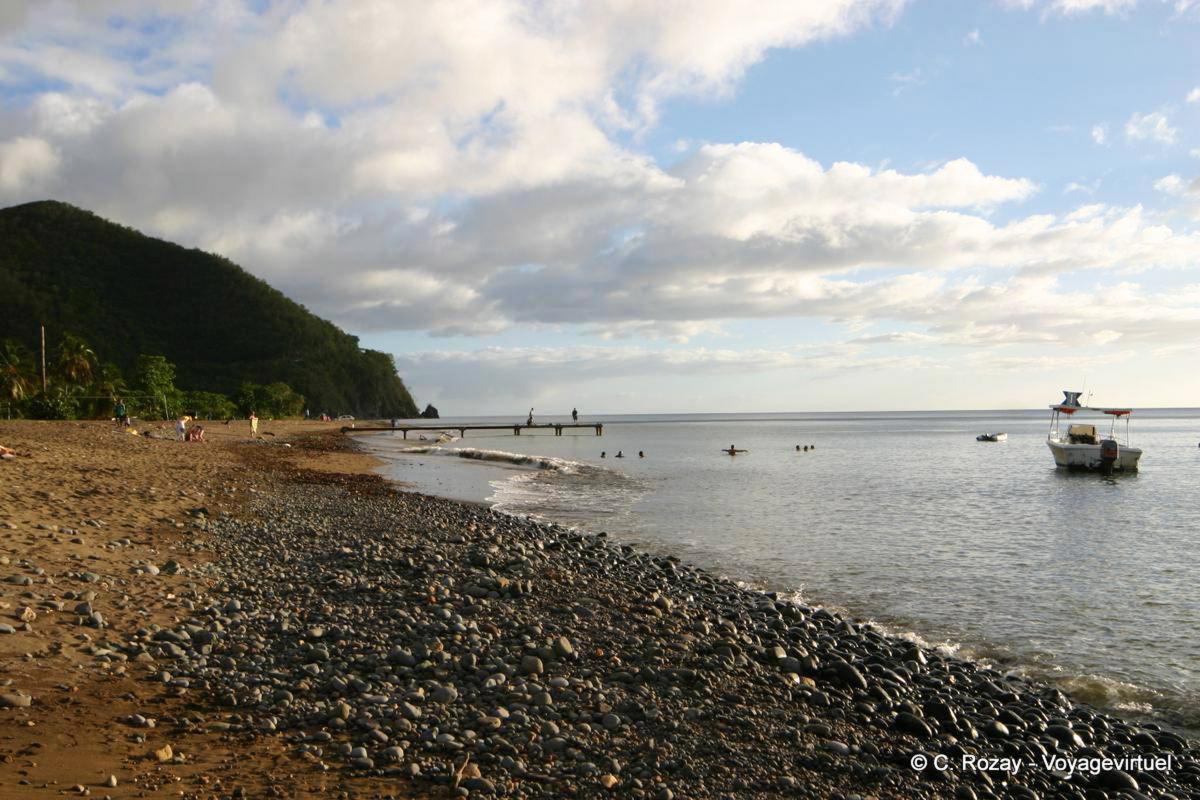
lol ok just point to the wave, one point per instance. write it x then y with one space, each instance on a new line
562 465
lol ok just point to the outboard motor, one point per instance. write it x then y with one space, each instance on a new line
1110 451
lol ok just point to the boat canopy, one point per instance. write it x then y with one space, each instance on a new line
1112 412
1071 404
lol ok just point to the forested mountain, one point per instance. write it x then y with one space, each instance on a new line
128 294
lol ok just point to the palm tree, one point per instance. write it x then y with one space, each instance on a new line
108 386
110 381
76 360
17 377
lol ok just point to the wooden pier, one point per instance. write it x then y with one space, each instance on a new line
557 427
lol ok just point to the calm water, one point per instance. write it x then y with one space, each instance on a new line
985 549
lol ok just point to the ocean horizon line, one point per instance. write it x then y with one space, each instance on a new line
603 416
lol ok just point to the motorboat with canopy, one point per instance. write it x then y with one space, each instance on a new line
1081 447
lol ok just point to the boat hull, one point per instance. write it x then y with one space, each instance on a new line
1087 457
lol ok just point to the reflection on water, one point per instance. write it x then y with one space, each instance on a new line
905 519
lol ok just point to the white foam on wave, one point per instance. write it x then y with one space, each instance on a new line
583 497
563 465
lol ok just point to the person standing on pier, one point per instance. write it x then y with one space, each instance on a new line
574 415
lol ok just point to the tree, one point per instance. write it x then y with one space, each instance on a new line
282 400
273 400
108 386
209 405
157 377
76 361
110 382
247 398
17 372
58 402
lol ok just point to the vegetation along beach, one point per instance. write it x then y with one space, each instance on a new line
666 399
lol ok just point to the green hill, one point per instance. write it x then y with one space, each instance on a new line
126 294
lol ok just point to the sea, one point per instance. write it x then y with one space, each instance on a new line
984 550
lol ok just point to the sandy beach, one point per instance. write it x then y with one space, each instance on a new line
290 624
83 497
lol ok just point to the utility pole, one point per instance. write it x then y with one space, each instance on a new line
43 359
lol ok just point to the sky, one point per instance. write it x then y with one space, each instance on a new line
659 207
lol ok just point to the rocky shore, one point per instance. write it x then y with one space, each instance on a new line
260 618
474 654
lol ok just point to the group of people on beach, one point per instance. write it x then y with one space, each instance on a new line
186 432
621 454
187 428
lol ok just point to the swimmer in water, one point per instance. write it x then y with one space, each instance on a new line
619 454
641 454
602 452
732 450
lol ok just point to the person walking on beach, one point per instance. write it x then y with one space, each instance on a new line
253 425
121 413
574 415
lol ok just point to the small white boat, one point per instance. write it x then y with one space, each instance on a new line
992 437
1081 447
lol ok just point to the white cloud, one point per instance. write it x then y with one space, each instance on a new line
533 373
973 38
26 164
1100 134
1171 184
1194 95
1153 126
1074 7
905 80
380 164
1082 188
1082 6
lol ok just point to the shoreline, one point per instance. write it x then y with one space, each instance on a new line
1115 694
338 612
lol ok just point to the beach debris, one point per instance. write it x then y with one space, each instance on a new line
15 700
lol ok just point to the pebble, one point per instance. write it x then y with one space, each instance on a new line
400 634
